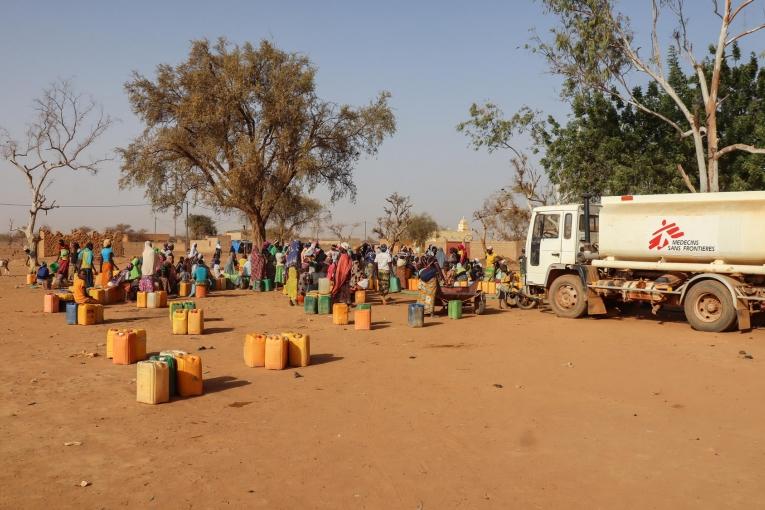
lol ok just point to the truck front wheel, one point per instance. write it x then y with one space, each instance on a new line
568 297
709 307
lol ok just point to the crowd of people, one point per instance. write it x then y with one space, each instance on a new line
294 268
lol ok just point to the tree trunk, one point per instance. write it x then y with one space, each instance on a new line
258 230
701 161
32 240
712 140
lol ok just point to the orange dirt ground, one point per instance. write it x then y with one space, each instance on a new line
514 409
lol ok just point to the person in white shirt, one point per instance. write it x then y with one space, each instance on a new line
383 260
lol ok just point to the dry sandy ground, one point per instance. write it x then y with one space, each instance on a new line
509 410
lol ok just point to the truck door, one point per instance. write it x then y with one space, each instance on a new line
545 246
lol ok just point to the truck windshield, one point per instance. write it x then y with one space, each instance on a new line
594 223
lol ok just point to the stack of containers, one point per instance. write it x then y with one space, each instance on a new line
188 321
138 344
324 300
276 352
63 299
87 314
168 374
156 299
180 305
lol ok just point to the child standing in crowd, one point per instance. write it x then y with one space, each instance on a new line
85 261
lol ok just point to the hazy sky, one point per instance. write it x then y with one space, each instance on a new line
435 57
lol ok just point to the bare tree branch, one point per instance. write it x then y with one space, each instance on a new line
686 180
744 34
739 147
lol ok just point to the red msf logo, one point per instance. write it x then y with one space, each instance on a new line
661 237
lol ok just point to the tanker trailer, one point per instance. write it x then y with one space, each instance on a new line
702 251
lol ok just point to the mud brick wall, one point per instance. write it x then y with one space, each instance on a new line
48 246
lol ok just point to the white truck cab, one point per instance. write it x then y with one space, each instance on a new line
555 238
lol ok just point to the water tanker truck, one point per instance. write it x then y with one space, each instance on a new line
704 252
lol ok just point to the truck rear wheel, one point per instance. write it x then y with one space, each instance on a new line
568 297
709 307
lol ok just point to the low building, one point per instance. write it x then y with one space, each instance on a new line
447 239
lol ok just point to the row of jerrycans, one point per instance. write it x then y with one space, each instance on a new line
362 317
156 299
168 374
276 352
188 322
107 295
84 315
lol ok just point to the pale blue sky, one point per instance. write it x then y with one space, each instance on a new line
435 57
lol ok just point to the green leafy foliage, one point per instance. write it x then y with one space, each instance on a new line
421 228
608 147
201 225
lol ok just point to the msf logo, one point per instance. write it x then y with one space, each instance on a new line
660 238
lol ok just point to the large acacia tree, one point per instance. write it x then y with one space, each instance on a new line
239 127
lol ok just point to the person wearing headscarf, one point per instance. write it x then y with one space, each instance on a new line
491 259
168 275
230 267
383 262
107 263
341 289
121 277
293 254
269 271
307 254
135 269
201 276
62 273
357 273
43 276
369 261
148 268
463 254
218 251
279 277
428 285
193 253
257 268
292 266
